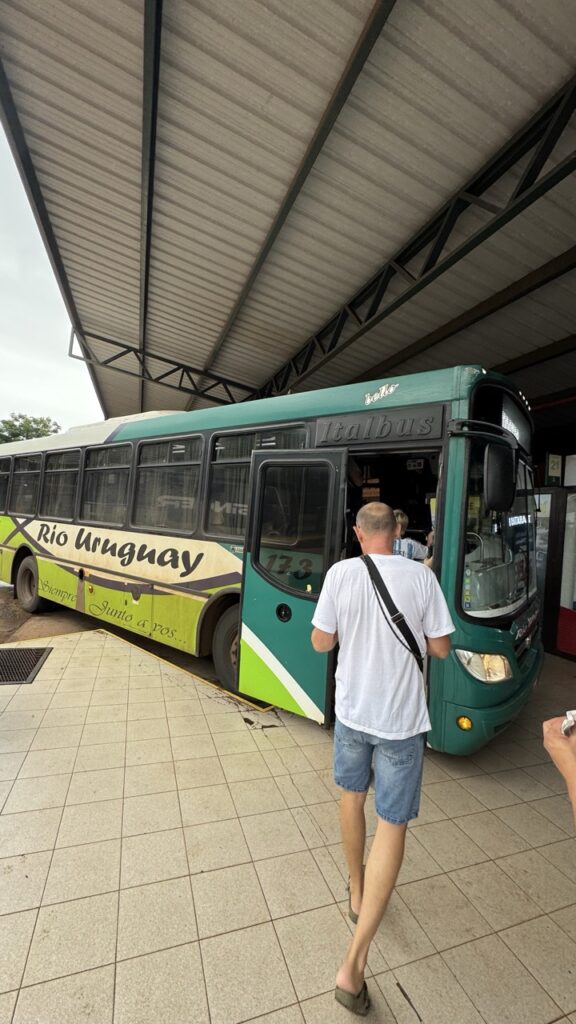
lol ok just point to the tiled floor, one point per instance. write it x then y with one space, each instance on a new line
170 856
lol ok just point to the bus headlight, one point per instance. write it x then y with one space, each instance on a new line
488 668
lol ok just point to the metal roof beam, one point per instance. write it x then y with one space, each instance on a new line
531 282
566 397
537 356
546 145
435 234
483 204
23 161
151 79
200 384
378 17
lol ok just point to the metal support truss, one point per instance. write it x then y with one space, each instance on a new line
171 374
151 79
531 282
367 307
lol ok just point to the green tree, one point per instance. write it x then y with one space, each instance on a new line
19 427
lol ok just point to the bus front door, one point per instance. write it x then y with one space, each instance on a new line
294 534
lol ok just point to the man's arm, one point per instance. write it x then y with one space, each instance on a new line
438 646
437 624
325 615
322 641
562 750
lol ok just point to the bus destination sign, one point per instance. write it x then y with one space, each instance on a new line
417 422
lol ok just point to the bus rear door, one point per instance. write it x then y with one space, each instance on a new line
294 534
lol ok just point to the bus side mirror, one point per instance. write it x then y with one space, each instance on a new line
499 477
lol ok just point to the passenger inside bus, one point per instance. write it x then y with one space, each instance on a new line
406 546
406 481
293 510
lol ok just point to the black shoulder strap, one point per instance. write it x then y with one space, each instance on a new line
396 616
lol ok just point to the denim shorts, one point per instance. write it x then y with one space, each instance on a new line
397 766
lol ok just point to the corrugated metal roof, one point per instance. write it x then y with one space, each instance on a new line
243 86
548 378
523 327
444 87
75 71
516 249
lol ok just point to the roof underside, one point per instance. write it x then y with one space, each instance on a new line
249 196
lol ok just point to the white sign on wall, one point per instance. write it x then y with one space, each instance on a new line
570 471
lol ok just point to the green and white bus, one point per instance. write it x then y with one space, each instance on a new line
211 531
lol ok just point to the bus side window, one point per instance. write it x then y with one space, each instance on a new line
61 473
167 484
25 484
4 480
230 470
105 488
228 499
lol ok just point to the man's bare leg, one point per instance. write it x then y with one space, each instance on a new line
380 877
353 829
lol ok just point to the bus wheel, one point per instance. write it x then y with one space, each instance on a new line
27 587
225 645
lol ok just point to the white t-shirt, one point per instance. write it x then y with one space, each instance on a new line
409 548
379 687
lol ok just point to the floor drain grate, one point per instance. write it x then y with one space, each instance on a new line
20 664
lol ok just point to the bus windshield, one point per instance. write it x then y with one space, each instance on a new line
499 567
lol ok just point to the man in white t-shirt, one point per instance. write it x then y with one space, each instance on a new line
381 717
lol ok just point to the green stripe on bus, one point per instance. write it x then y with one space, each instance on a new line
264 684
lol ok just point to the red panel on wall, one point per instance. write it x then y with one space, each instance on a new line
566 638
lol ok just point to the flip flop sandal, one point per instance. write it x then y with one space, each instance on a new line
358 1004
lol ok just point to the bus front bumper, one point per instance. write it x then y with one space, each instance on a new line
487 722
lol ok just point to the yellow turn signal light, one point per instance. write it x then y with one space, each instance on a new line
463 722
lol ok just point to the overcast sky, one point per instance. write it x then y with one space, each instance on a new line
37 376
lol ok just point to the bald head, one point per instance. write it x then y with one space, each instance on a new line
376 518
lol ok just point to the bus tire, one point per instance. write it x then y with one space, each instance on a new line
225 646
27 587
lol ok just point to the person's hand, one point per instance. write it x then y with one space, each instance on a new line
562 750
